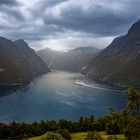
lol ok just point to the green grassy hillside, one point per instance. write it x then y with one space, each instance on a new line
83 135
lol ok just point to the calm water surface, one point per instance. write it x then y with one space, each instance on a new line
56 95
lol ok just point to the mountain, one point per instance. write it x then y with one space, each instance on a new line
119 63
73 60
51 56
18 62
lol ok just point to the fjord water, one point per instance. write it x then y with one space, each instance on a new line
57 95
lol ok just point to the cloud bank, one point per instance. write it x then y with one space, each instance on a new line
66 24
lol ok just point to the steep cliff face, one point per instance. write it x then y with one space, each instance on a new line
119 63
30 63
18 62
73 60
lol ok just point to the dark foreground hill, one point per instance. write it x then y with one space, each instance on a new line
18 62
119 63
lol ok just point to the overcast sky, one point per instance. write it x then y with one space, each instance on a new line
66 24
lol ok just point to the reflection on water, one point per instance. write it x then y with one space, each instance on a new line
56 95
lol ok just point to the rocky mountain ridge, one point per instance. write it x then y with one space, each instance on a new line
18 62
119 63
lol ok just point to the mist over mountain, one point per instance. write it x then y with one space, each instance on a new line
73 60
119 63
18 62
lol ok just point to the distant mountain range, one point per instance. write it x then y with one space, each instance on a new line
73 60
18 62
119 63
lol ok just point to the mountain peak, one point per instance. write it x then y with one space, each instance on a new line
135 29
20 40
85 49
21 43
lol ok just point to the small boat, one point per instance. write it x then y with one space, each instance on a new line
79 82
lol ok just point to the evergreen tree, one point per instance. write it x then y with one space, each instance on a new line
133 106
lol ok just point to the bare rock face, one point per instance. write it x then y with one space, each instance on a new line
18 62
119 63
